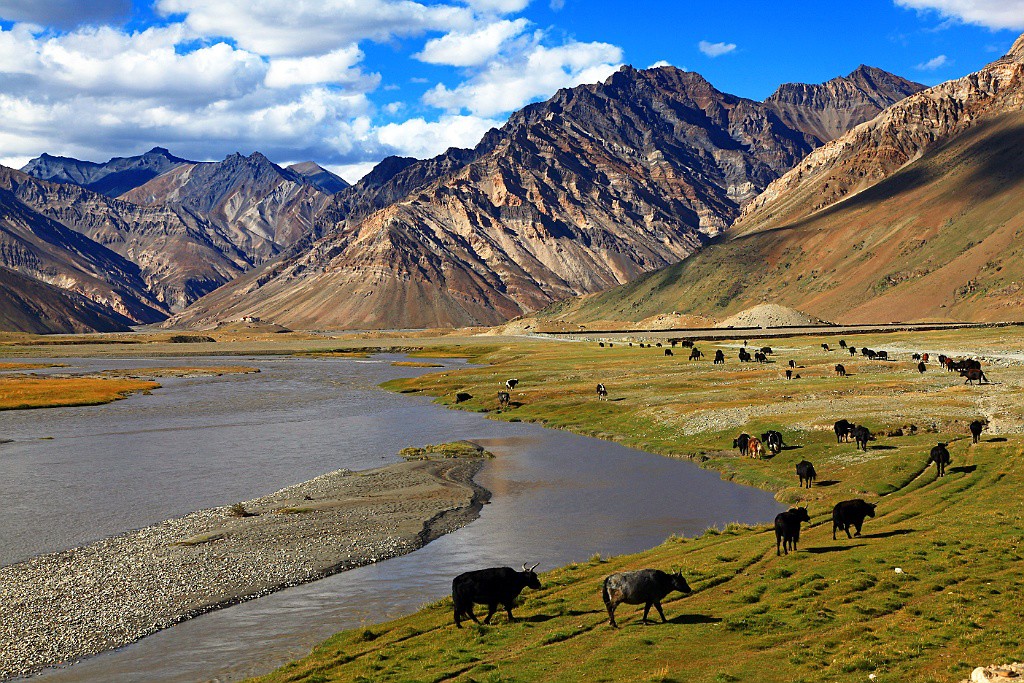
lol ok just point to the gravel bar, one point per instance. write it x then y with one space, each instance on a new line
58 608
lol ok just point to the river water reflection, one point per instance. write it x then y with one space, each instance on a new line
203 442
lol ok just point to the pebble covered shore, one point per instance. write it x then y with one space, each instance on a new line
61 607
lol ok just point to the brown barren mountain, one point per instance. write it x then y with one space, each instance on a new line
43 249
180 256
915 215
592 188
30 305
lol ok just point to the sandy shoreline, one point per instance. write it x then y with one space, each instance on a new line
61 607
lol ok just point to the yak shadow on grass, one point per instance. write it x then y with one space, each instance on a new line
964 469
820 550
791 448
694 619
536 618
996 439
889 534
883 448
827 482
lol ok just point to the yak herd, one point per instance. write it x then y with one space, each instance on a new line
501 586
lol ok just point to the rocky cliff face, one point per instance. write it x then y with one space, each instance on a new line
592 188
254 204
901 134
828 110
115 177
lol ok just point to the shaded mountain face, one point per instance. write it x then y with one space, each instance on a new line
916 215
30 305
113 178
590 189
319 177
827 110
43 249
180 256
254 204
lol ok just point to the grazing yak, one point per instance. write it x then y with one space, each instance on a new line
792 364
940 456
744 356
695 354
825 347
921 367
491 587
924 357
805 471
742 442
754 448
772 441
915 356
974 375
602 393
976 428
462 396
647 587
789 374
843 430
787 529
850 513
510 384
503 399
842 343
668 352
840 370
861 435
760 357
767 350
882 355
719 357
853 350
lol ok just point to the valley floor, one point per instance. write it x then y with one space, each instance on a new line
931 589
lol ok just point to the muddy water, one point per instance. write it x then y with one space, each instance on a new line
202 442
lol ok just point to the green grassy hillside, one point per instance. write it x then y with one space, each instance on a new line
940 239
835 610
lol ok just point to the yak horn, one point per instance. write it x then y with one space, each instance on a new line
531 568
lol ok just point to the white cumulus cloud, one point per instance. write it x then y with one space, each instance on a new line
996 14
933 63
421 138
473 48
715 49
287 27
535 71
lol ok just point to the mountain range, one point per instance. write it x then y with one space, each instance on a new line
593 188
915 215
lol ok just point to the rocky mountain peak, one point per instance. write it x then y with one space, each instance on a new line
1017 51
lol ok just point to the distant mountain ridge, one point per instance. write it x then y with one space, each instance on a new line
258 206
112 178
829 109
590 189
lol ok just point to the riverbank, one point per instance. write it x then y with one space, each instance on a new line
931 587
61 607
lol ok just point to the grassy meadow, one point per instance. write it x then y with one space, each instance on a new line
835 610
23 392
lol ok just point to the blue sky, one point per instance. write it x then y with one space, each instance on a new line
347 82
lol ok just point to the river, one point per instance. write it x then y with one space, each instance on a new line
73 475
